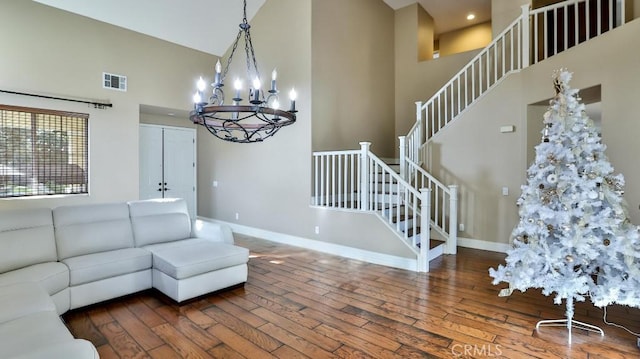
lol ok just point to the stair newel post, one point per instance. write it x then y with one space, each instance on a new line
452 242
364 175
526 37
417 141
425 229
403 155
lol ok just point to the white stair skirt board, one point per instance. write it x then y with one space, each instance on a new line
325 247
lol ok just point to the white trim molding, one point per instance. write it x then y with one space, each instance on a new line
483 245
354 253
325 247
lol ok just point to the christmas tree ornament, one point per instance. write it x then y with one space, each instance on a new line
585 247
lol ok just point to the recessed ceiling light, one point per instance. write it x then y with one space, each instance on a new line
471 16
171 114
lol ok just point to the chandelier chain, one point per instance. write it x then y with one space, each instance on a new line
248 47
250 51
233 51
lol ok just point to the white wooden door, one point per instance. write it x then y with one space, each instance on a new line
150 162
179 166
167 164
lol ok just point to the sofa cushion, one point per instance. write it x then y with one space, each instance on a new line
159 221
97 266
74 349
26 238
87 229
190 257
22 299
52 276
32 332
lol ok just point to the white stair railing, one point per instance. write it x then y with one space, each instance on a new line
501 57
337 179
444 204
534 36
360 181
444 199
558 27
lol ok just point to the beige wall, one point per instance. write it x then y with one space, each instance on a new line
504 12
57 53
417 80
426 35
474 154
179 120
352 70
470 38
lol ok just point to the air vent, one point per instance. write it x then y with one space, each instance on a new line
114 82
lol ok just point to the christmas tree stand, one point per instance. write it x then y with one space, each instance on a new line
569 322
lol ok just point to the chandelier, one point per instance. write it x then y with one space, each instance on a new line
257 119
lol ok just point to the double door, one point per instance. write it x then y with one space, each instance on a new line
167 164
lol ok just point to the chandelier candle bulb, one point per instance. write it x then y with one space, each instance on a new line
237 84
256 91
197 98
274 76
293 95
201 84
217 80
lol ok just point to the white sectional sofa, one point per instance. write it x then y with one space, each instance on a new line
52 261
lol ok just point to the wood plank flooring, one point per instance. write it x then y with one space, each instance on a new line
304 304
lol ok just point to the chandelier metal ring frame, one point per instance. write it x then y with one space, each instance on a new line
242 123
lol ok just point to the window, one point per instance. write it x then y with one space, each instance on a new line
42 152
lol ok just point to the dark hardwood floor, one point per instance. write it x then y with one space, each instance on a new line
304 304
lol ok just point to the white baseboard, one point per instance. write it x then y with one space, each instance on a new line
325 247
483 245
355 253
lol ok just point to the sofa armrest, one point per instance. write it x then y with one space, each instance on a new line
212 231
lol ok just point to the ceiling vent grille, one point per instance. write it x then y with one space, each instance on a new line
114 82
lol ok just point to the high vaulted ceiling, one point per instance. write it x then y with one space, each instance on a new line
211 25
206 25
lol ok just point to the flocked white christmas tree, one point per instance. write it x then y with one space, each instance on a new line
574 237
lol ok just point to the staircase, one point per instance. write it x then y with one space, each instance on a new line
533 37
421 210
358 180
